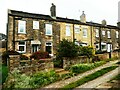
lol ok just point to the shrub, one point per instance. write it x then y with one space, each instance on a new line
86 51
40 55
23 57
80 68
67 49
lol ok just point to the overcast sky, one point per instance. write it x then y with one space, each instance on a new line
95 10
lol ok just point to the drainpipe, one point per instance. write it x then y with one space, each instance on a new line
13 33
100 38
73 34
91 34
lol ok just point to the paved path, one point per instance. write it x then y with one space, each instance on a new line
60 84
102 79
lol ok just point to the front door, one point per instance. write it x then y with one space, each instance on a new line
35 48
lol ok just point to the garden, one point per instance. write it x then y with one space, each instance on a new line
16 79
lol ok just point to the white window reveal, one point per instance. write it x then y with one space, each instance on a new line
97 32
48 29
84 32
117 34
109 47
35 24
22 47
108 34
49 48
103 33
68 30
77 29
21 26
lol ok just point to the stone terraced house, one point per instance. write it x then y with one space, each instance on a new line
30 32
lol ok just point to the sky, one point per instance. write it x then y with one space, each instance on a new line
95 10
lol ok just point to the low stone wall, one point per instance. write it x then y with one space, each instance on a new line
29 66
72 61
67 62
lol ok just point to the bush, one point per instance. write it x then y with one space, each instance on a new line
67 49
40 55
80 68
86 51
39 79
23 57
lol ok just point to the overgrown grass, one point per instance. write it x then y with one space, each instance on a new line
89 77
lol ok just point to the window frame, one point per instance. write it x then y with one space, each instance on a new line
68 32
77 29
97 32
46 29
23 46
108 34
103 33
117 34
22 23
36 24
86 31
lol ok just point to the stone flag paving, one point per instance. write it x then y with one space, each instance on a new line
102 79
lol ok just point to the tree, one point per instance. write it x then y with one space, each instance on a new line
86 51
67 49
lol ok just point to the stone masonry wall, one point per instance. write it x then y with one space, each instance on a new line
29 66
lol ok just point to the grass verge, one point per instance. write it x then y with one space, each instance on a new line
89 78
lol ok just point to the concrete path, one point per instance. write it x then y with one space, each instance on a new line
60 84
106 77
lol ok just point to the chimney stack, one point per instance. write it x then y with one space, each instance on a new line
83 17
104 22
53 11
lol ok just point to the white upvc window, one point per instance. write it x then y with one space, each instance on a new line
22 47
108 34
103 33
35 24
117 34
77 29
97 32
85 32
68 30
48 29
21 26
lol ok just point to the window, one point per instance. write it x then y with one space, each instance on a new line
77 29
108 34
21 47
21 26
103 33
68 30
35 24
103 46
117 34
97 46
48 29
97 32
84 32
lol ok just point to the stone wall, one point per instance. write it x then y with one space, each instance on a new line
72 61
29 66
67 62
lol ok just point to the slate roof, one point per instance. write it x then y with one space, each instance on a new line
58 19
